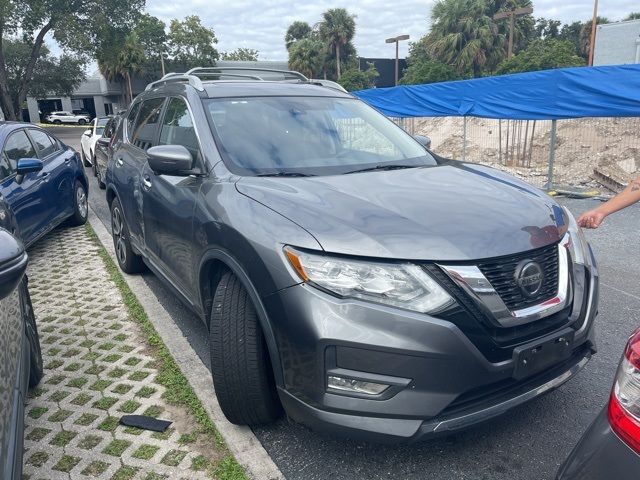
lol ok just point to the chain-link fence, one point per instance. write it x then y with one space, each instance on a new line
585 152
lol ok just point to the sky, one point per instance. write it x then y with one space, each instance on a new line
262 25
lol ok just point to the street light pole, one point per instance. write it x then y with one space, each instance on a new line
512 14
592 42
397 40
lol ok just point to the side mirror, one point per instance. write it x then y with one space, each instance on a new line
25 166
13 263
423 140
170 160
87 133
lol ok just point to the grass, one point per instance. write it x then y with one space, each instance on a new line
178 391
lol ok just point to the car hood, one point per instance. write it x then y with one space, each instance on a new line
452 212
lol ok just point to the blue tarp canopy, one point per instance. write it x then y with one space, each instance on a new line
611 91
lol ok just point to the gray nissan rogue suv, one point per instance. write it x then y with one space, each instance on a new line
346 273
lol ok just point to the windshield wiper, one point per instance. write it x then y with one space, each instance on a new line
383 167
285 174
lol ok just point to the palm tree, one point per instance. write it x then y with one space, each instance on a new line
306 56
130 60
464 36
296 31
337 28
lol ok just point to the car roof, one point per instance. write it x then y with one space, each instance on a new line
234 88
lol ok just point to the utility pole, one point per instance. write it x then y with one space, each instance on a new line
512 14
396 40
592 41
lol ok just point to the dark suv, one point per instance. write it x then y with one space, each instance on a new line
346 273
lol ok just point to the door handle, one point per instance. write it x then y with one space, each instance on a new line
146 182
45 176
119 162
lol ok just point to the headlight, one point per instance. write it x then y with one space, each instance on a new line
398 284
578 246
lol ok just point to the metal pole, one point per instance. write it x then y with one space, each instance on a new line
162 63
512 18
464 139
397 43
500 141
592 42
552 154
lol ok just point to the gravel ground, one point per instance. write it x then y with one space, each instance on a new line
528 443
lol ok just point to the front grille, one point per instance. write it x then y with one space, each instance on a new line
501 273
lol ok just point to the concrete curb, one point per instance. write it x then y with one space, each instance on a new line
241 441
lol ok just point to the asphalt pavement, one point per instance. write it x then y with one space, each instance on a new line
530 442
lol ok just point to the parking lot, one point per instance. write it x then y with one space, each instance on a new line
530 442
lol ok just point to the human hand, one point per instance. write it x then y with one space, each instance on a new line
591 219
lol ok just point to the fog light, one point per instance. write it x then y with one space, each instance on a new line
356 386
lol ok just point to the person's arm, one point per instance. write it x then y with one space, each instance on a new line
593 218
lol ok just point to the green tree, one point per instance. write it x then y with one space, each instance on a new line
241 54
76 25
571 32
191 44
305 56
338 28
51 75
428 71
297 31
543 54
353 79
131 59
633 16
547 28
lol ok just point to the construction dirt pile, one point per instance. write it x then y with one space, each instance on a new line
610 145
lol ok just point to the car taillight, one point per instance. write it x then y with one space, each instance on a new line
624 404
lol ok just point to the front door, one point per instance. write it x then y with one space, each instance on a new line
169 202
29 207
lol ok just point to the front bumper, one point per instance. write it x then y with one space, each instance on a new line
447 383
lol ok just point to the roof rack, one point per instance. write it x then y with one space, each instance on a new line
293 75
194 81
193 76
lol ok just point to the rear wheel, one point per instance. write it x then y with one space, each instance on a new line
128 260
80 205
57 122
82 121
31 330
242 373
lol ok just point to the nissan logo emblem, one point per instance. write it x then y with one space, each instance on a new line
529 277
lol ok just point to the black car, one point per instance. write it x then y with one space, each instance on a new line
345 272
103 149
610 448
20 356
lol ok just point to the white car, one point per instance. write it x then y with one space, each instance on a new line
67 117
89 139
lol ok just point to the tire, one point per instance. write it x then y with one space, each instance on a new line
128 260
36 369
80 205
57 122
242 373
82 121
94 167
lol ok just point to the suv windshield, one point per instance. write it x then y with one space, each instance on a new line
300 136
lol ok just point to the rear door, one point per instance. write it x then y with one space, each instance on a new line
59 175
29 207
140 134
169 202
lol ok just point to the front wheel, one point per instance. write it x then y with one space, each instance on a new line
80 205
128 260
242 373
57 122
82 121
85 162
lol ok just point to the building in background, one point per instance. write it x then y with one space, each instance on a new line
617 43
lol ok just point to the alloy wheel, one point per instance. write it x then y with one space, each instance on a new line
81 201
118 235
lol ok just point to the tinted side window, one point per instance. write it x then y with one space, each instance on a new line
177 128
18 146
146 126
44 143
131 119
6 167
